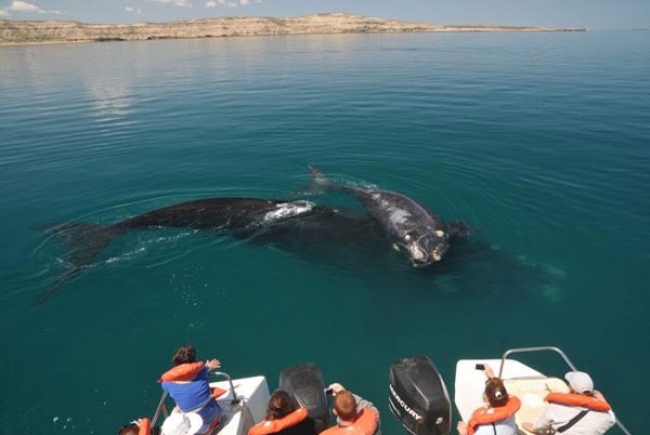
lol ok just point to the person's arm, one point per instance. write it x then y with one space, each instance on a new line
461 427
489 373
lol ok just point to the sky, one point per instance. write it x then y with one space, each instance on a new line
592 14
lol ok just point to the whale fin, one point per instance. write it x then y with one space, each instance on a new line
319 181
461 229
86 241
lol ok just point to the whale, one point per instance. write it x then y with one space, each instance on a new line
241 217
411 227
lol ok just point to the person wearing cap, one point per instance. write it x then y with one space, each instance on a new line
497 415
354 414
581 411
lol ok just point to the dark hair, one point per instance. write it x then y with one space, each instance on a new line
280 404
134 429
496 392
345 405
185 354
129 429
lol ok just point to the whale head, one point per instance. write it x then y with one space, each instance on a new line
426 248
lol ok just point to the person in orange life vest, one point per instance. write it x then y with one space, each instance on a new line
497 415
284 417
139 427
582 411
354 414
187 383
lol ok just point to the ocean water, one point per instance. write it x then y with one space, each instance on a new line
540 140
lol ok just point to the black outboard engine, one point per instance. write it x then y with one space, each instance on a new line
418 397
306 384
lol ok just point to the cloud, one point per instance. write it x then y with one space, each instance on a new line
23 7
132 10
229 3
182 3
20 6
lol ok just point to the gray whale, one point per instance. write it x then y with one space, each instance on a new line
411 227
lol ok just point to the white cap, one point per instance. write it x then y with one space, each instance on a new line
179 423
580 382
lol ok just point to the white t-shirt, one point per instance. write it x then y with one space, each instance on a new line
555 416
501 427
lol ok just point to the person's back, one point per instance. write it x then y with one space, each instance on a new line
284 417
187 383
354 414
582 411
592 423
497 415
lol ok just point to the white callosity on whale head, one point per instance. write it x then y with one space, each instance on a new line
285 210
416 253
399 216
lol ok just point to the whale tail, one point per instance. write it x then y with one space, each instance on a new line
86 241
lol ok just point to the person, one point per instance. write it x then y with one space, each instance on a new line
581 411
141 426
497 415
187 383
354 414
284 417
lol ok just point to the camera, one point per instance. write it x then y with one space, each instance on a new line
480 367
328 392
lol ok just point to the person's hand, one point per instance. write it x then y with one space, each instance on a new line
213 364
599 396
529 427
337 388
461 427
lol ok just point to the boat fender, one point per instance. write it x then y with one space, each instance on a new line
575 399
492 415
183 372
272 426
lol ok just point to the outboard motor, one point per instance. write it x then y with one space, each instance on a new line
306 384
418 397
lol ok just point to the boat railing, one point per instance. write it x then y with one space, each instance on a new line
161 409
566 359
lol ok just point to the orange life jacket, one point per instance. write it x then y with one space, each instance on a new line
145 427
492 415
276 425
575 399
365 424
182 372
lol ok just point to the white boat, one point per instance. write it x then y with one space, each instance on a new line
243 401
418 396
528 384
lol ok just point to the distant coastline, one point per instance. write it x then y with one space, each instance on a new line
25 32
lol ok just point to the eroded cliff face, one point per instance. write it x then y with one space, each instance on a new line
41 31
69 31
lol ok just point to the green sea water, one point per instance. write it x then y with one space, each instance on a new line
540 140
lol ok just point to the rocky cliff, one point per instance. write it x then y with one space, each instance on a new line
69 31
